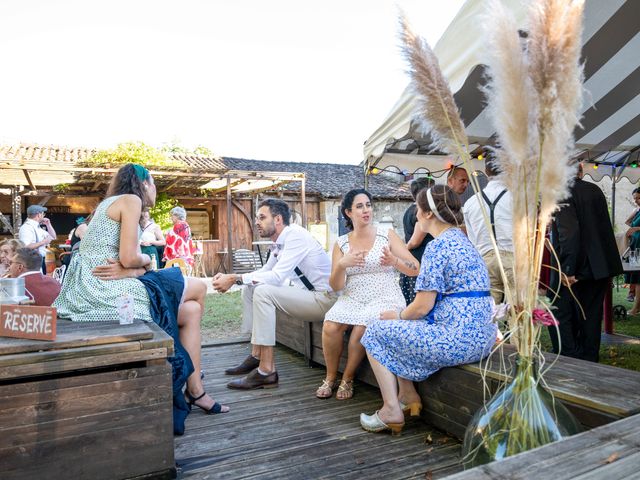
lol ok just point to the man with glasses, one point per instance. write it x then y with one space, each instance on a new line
33 236
294 282
43 290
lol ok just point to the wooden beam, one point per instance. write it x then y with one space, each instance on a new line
171 185
235 174
16 209
247 215
304 203
28 177
229 229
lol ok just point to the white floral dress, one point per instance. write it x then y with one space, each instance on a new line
458 330
369 289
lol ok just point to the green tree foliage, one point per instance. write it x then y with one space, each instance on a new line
160 211
133 152
175 148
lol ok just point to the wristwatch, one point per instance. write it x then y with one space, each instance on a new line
239 280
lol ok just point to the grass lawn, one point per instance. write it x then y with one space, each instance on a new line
222 315
624 356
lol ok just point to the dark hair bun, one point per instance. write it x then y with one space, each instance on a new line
446 201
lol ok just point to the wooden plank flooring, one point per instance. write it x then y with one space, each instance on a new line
288 433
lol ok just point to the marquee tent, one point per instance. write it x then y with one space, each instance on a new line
609 137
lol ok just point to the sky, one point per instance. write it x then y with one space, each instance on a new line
287 80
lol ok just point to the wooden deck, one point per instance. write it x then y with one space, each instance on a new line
287 433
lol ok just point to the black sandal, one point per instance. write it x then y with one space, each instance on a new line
216 407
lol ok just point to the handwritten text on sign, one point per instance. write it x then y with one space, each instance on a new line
23 321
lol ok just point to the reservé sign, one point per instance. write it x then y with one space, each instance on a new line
25 321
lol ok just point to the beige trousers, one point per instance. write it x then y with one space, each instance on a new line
495 278
261 303
497 285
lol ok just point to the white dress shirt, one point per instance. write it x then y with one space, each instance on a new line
477 228
294 247
30 232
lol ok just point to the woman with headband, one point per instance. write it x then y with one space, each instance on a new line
109 266
449 322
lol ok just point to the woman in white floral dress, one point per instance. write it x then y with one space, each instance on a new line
364 267
449 322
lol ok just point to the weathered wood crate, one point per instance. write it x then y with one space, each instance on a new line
94 404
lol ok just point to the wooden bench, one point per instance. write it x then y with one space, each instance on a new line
606 400
596 394
96 403
608 452
245 261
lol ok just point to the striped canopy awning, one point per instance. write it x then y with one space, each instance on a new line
610 130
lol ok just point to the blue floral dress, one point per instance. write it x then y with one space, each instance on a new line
459 329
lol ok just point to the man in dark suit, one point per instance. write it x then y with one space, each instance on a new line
585 245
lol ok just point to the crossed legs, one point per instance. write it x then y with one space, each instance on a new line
261 303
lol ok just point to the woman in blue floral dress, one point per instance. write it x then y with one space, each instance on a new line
449 322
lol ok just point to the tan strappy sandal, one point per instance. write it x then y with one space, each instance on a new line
326 389
345 390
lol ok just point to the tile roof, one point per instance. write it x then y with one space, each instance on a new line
329 180
32 153
54 154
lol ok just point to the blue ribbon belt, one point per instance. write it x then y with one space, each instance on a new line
439 296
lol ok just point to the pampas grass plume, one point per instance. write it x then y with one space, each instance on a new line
437 109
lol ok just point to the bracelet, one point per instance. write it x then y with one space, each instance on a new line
400 315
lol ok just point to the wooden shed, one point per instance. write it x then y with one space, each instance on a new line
219 194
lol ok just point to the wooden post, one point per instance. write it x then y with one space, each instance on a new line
366 174
229 229
16 209
614 179
304 203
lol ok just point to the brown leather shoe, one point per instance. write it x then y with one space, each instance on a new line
247 365
254 380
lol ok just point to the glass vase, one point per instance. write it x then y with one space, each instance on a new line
521 416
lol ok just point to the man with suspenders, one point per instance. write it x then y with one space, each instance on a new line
296 257
497 203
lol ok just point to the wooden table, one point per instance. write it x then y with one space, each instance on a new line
608 298
96 403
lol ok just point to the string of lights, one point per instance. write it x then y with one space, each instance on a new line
373 170
418 171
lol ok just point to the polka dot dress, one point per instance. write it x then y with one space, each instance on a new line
369 290
408 287
86 298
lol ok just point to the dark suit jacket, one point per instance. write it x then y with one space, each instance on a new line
582 235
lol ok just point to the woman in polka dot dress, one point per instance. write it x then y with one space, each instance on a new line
364 267
108 263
